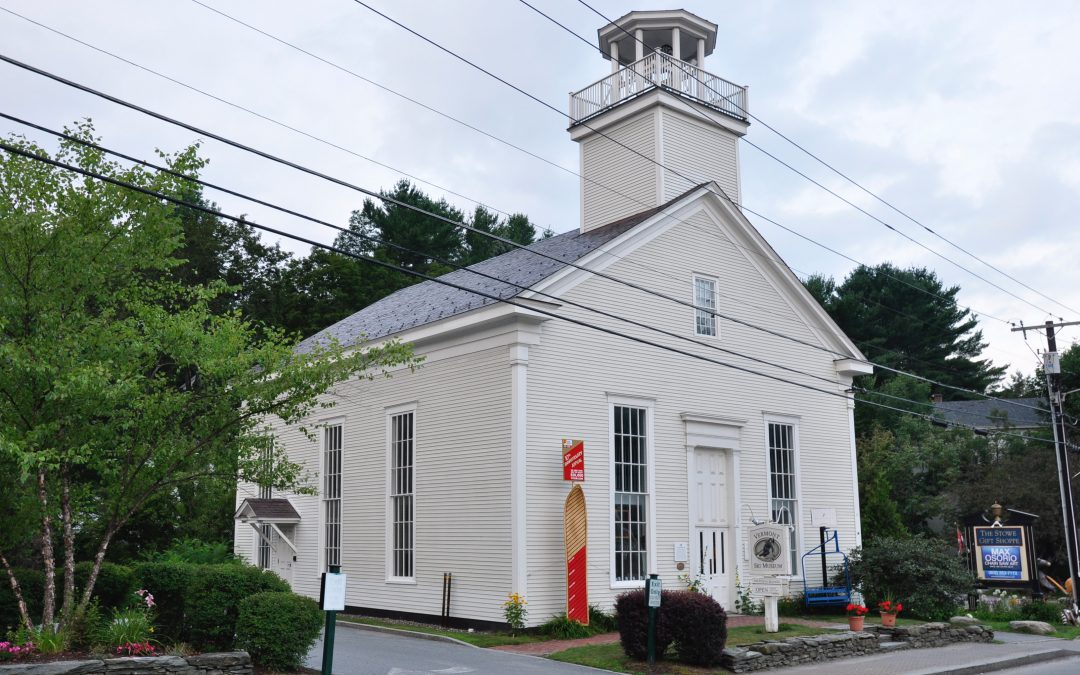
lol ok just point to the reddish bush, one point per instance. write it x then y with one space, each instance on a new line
694 622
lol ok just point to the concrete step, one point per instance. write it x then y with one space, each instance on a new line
892 646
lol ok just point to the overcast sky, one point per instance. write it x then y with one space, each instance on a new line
964 115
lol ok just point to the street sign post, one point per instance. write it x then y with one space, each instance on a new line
653 587
331 601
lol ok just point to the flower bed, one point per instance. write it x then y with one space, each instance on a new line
224 662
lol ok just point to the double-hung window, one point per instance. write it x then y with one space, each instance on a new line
402 510
332 494
783 483
266 491
630 547
705 301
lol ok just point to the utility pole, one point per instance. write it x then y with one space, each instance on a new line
1052 370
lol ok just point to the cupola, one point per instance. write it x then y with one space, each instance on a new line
659 123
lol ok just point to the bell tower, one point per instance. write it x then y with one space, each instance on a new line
659 123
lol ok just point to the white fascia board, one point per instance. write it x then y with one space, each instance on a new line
784 280
624 110
599 259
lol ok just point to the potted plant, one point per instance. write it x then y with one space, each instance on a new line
889 608
856 615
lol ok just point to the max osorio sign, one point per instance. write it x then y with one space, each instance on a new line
1001 554
769 549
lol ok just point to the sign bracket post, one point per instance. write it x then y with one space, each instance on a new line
652 599
331 601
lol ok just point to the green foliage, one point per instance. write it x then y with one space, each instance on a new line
515 611
197 552
122 381
213 601
744 601
923 573
46 639
115 584
170 582
33 589
123 626
909 320
278 628
601 621
1023 610
85 627
564 628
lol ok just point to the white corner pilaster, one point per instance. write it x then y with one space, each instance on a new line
639 44
519 371
614 56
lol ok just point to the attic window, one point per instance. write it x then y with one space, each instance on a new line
705 301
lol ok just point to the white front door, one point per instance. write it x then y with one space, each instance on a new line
711 537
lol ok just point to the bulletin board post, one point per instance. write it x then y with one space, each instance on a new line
332 601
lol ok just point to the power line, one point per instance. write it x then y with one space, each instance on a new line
237 106
440 217
15 150
593 129
193 179
552 163
845 177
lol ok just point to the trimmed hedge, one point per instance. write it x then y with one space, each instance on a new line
693 622
213 604
169 582
924 574
32 584
278 628
114 587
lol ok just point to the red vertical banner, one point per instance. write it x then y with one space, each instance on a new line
576 529
573 459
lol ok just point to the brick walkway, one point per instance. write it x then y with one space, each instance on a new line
552 646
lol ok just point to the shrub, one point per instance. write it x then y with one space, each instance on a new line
564 628
632 616
601 621
170 583
32 583
126 626
278 628
698 626
114 584
926 574
213 601
197 552
694 622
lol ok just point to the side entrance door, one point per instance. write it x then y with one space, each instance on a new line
711 536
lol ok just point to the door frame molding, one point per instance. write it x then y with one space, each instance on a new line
716 432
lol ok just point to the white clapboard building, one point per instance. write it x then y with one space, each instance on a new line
458 467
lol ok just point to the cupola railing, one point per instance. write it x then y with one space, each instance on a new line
659 70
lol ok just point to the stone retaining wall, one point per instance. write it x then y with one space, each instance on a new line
796 650
201 664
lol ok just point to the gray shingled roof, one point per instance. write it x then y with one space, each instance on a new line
430 301
988 414
271 510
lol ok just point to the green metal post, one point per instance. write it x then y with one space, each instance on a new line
328 635
651 645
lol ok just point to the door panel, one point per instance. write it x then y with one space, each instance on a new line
712 543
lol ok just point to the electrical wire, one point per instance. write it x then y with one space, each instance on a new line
461 225
15 150
842 175
425 254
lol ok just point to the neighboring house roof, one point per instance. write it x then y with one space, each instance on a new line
430 301
990 414
267 511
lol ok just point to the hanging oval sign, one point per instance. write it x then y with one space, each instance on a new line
769 552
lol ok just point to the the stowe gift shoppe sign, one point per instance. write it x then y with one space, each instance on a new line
1001 554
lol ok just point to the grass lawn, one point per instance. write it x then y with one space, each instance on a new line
1060 630
479 639
611 657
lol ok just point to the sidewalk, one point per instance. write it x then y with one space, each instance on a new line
961 659
552 646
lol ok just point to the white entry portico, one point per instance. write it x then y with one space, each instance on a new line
712 447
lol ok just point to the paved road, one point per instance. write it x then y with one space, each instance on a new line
1059 667
363 652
